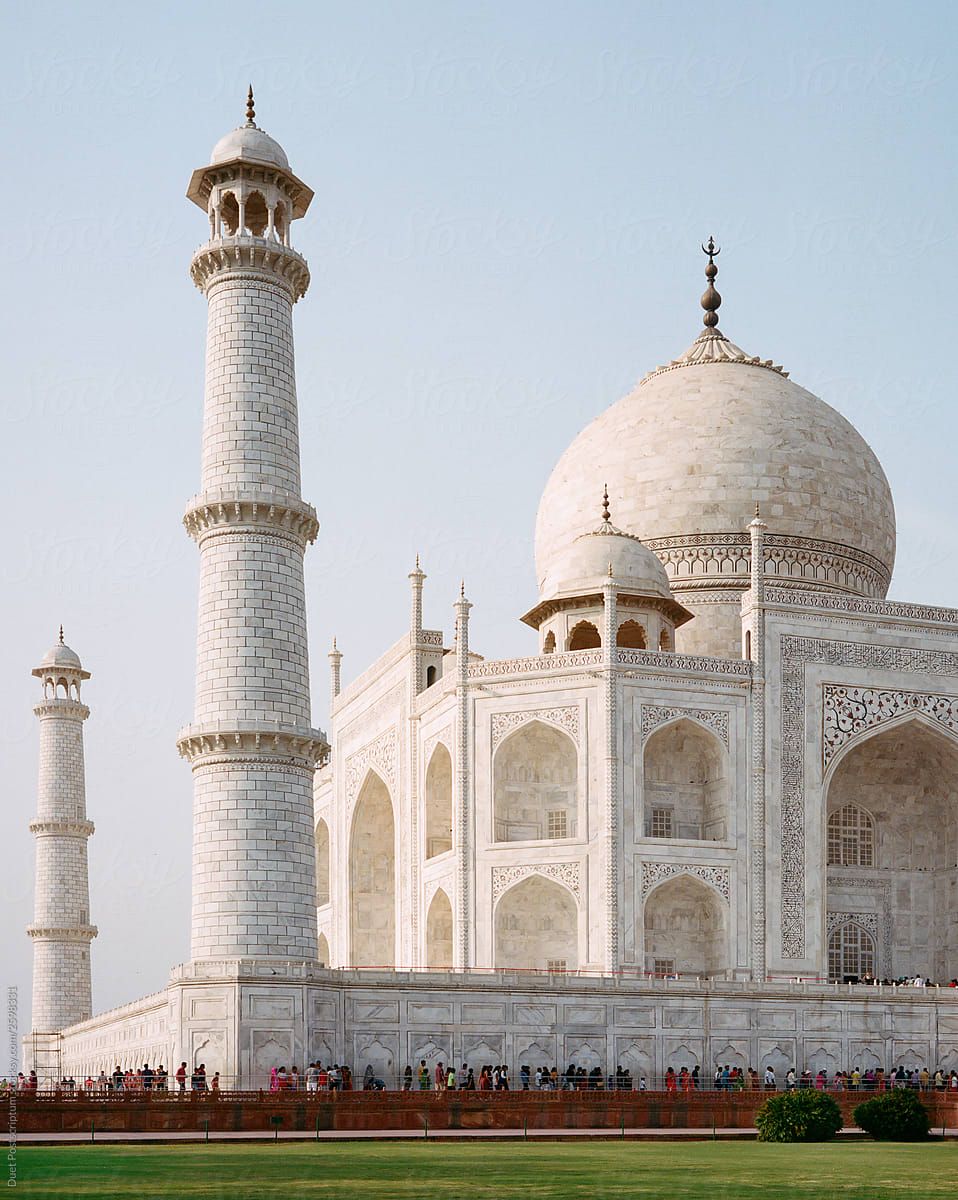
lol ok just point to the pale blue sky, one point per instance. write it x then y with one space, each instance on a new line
509 204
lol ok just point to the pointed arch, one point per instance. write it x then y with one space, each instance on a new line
631 636
439 932
322 863
584 636
549 645
438 799
372 877
900 782
685 927
851 837
686 786
322 950
537 926
535 784
257 214
852 952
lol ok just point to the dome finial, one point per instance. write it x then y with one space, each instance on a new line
758 511
606 515
250 111
711 300
61 635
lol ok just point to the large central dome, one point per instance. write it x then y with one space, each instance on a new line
687 455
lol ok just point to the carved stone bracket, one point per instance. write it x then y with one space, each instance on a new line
849 711
653 716
504 877
654 873
566 718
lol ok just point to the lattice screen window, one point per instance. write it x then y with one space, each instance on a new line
663 966
851 838
558 823
851 951
557 965
661 823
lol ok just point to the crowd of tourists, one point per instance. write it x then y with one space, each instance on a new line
919 981
447 1078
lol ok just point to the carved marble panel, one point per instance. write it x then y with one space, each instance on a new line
504 877
849 711
654 715
653 873
565 717
381 755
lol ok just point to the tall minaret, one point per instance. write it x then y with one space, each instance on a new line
61 929
251 745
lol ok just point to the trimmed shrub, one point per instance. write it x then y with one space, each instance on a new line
895 1116
801 1115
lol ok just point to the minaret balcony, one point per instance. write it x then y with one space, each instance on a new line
245 740
54 827
245 253
63 933
225 510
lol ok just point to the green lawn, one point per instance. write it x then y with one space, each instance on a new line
381 1170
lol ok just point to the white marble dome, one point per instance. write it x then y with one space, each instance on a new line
583 565
249 144
62 656
696 444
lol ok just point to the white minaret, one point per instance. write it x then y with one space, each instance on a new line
61 929
251 745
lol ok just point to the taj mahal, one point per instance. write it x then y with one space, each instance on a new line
713 802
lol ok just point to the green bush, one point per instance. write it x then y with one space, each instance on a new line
802 1115
896 1116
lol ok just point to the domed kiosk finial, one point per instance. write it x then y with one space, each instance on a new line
250 110
61 635
711 300
606 515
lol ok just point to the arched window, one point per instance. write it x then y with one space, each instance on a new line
257 215
322 863
851 951
631 636
665 640
430 676
439 803
229 211
322 950
535 776
851 838
549 645
584 636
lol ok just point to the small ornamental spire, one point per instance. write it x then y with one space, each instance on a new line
711 300
61 635
606 515
250 111
758 511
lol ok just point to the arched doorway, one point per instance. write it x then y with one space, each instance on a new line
890 838
537 927
439 932
685 927
686 784
372 882
534 780
439 802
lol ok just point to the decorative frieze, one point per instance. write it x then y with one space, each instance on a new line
699 664
566 873
654 873
654 715
565 717
849 711
380 755
536 664
862 606
797 653
708 560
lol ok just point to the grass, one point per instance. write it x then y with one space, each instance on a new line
443 1171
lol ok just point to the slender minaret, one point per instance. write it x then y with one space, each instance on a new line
61 929
251 746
